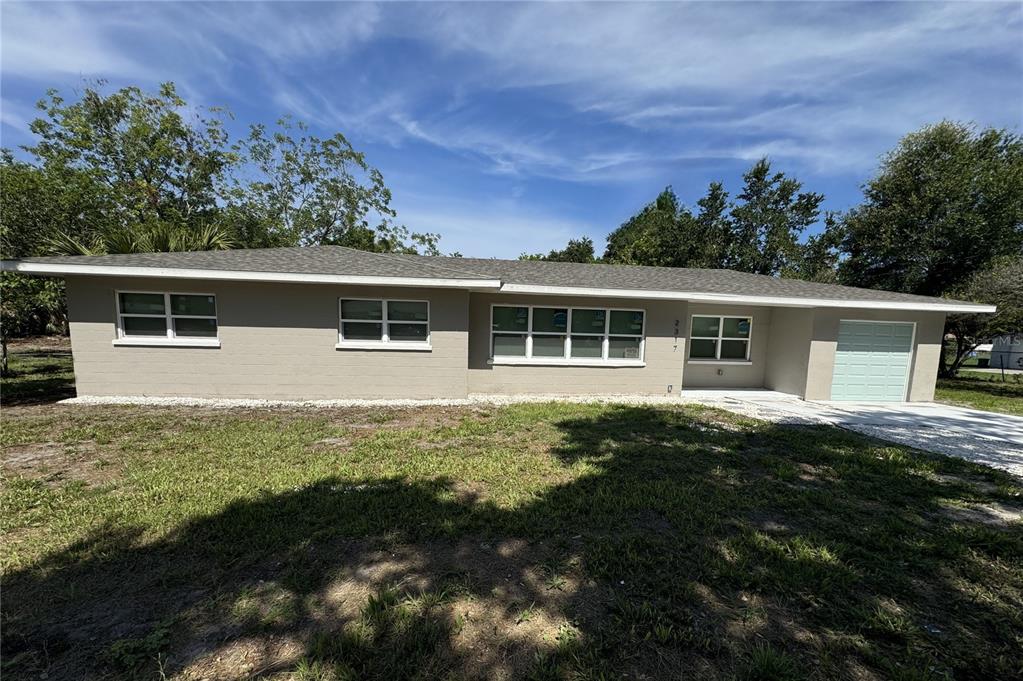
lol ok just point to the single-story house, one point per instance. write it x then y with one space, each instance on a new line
329 322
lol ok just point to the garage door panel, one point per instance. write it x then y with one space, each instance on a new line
872 361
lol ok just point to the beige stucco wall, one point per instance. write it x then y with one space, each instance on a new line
788 350
926 349
663 354
732 374
277 341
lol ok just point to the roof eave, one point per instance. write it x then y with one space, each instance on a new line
729 299
75 269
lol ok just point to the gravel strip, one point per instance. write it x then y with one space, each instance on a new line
472 400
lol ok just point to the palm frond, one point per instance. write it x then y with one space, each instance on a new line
65 244
208 238
125 240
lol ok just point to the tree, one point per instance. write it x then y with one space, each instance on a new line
133 171
759 233
946 202
665 233
309 190
766 225
33 204
713 229
160 175
577 250
817 258
146 159
1000 284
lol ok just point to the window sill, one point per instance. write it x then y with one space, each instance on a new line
168 342
559 362
733 362
399 347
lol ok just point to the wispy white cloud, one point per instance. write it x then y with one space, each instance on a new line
588 93
16 115
42 42
702 68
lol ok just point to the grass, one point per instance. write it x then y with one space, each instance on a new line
41 372
979 390
546 541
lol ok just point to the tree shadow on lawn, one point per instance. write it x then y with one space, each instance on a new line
689 547
39 377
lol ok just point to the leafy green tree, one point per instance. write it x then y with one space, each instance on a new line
33 204
304 190
155 161
577 250
759 233
665 233
946 202
712 230
766 224
817 258
1000 284
647 237
132 171
29 306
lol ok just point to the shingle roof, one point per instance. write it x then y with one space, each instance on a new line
725 282
333 260
340 261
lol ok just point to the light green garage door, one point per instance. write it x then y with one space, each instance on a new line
872 361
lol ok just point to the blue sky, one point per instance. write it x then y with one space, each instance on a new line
514 127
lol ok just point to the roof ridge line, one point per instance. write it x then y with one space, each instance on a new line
432 265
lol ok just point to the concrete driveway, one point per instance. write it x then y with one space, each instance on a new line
981 436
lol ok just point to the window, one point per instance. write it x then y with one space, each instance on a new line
397 323
566 335
720 338
171 316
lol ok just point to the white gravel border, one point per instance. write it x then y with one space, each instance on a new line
474 399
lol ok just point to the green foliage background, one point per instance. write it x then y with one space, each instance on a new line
131 171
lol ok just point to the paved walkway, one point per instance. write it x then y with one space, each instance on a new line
981 436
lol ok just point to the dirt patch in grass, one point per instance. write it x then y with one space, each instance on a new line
56 463
33 343
991 513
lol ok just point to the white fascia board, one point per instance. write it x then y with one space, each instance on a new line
727 299
54 269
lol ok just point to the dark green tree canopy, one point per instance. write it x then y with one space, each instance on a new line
999 284
577 250
768 220
758 233
946 202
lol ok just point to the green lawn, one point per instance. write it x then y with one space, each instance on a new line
41 372
985 391
547 541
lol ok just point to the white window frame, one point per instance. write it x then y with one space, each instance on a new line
566 359
720 337
171 339
385 343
